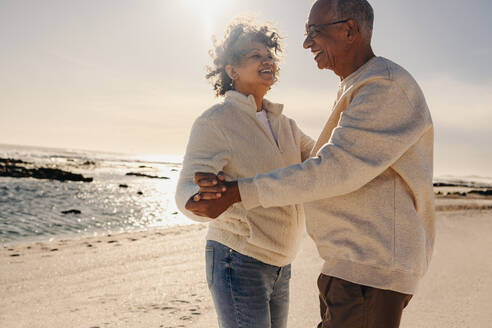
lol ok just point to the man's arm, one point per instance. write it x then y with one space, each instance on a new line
377 128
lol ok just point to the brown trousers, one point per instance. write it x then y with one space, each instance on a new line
348 305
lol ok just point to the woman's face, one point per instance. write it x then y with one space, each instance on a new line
257 67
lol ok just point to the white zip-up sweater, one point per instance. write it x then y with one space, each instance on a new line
229 137
367 190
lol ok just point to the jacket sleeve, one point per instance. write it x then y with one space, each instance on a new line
375 130
207 151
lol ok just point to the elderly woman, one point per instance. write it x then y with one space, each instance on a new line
248 252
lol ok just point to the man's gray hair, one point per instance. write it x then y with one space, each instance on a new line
359 10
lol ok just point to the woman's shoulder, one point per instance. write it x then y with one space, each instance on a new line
217 111
214 116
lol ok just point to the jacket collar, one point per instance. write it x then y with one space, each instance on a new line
248 104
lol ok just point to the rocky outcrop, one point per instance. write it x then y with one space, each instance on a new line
136 174
74 211
20 169
11 161
472 193
487 192
443 184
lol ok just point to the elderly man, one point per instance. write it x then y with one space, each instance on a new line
367 188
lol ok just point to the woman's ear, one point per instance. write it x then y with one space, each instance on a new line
231 72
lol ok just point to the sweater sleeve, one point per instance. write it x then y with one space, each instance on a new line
375 130
207 151
306 143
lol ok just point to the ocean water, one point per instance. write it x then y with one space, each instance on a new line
31 209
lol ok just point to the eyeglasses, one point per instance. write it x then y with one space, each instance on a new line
313 30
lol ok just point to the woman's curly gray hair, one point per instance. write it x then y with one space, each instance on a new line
231 50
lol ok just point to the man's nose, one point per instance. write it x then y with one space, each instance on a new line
307 43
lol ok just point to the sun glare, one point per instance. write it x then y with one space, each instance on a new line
208 11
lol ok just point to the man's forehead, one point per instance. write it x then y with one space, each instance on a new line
321 11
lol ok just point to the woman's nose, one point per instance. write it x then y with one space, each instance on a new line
267 59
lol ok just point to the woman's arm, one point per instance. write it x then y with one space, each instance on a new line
207 151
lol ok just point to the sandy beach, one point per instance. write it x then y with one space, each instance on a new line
156 279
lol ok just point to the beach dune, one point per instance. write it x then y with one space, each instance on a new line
156 279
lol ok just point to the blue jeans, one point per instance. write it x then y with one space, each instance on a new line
247 293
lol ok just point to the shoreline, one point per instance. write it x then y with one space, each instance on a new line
97 237
166 230
92 234
442 204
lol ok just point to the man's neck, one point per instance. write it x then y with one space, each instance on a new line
358 59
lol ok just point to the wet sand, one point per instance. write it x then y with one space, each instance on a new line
156 279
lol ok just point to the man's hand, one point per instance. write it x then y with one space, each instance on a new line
212 208
211 186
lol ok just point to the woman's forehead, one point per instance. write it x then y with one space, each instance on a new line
252 45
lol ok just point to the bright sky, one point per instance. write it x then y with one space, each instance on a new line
128 76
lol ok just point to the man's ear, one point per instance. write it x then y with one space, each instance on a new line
231 72
352 30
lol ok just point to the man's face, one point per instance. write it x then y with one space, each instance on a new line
326 42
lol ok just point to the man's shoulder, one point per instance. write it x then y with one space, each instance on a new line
383 68
395 73
390 80
394 76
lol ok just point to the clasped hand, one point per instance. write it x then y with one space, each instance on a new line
215 195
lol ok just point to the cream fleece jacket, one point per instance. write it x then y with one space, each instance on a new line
229 137
368 187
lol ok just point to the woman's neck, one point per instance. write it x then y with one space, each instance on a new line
257 94
259 102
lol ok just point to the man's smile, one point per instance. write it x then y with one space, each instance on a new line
317 53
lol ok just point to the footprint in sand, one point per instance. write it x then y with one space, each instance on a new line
166 308
14 255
